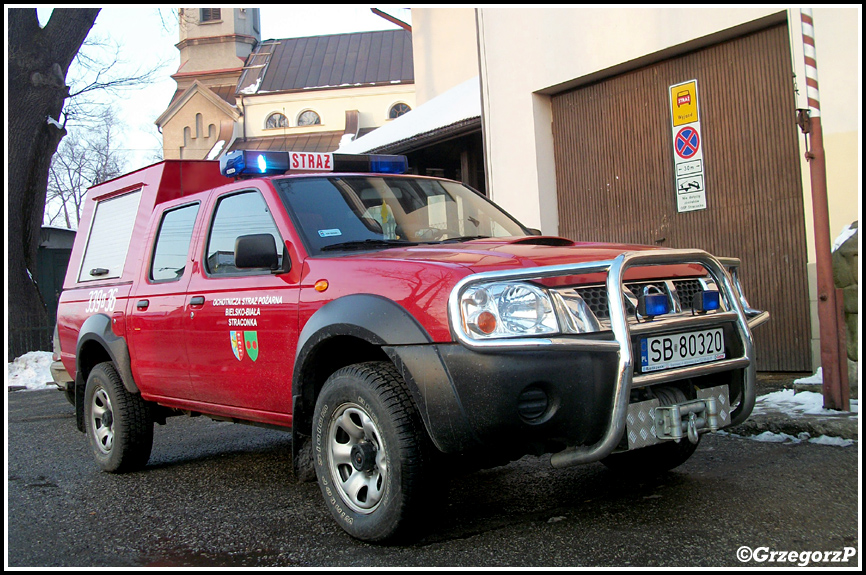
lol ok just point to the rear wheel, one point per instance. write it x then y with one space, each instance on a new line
118 424
368 447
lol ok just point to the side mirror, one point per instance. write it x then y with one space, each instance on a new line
256 251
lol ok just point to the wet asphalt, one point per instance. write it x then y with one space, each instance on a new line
223 495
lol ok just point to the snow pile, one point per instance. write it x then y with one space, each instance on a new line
817 377
843 237
802 403
30 371
770 437
460 103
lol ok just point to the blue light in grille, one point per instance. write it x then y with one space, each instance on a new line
708 301
650 305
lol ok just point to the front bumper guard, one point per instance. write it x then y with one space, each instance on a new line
739 312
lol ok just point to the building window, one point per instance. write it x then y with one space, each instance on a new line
309 118
210 14
398 110
277 120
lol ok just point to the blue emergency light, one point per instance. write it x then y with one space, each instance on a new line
250 163
708 301
653 304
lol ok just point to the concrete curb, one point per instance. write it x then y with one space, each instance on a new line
844 425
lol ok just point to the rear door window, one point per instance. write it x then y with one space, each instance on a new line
110 232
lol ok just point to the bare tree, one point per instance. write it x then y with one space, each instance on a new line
85 158
39 59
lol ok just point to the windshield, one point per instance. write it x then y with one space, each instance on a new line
371 212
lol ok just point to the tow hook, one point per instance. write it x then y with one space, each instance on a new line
686 419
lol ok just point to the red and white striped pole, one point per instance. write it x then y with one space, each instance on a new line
832 362
810 56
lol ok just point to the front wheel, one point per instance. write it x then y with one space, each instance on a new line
118 424
368 446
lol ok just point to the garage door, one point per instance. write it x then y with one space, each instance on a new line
615 180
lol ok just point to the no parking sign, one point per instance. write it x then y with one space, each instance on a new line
688 147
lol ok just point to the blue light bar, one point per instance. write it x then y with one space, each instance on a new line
371 163
232 163
708 301
650 305
256 163
389 164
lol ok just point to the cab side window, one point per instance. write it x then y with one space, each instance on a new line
238 215
172 243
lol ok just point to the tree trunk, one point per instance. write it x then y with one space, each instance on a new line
39 59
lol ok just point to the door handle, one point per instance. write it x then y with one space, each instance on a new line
142 304
197 300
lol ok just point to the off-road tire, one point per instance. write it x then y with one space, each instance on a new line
371 401
118 424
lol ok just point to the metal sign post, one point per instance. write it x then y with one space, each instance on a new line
832 361
688 147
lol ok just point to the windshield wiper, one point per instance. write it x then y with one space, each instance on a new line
462 239
367 244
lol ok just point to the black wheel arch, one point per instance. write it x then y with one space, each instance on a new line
98 343
348 330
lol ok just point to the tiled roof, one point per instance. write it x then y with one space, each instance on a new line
339 60
315 142
227 93
312 142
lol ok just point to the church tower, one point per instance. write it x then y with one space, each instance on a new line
214 45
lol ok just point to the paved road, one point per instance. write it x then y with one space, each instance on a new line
218 494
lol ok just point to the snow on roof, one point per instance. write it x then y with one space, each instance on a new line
461 102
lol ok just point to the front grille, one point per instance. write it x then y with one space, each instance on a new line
686 290
682 291
596 298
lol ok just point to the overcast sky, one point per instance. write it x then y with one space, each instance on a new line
147 36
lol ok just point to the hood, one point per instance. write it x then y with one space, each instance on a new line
490 254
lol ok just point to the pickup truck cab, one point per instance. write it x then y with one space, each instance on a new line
389 322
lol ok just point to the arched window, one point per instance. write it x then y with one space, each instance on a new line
398 110
277 120
309 118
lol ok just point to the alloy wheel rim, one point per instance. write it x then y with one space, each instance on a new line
360 489
102 420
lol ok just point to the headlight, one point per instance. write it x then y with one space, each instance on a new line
507 309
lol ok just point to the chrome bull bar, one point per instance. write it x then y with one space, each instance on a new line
625 381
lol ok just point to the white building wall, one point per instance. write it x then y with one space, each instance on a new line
372 103
525 55
445 49
527 51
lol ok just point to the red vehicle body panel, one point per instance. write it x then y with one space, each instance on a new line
269 311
